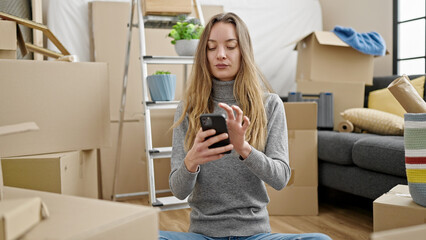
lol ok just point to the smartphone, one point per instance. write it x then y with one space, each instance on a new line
217 122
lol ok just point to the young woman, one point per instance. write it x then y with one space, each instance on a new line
226 192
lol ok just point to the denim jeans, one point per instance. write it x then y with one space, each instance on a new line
166 235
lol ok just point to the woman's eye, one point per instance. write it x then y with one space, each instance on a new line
231 47
211 48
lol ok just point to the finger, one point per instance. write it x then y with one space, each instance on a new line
239 112
216 139
202 135
246 123
228 110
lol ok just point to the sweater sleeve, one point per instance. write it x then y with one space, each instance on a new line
272 165
181 181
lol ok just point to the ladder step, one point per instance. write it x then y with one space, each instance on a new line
126 196
168 59
171 203
162 104
158 21
161 152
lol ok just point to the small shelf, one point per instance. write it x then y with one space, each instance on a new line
168 59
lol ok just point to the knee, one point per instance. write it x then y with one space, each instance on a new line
320 236
164 235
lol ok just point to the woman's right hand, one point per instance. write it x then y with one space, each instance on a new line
200 152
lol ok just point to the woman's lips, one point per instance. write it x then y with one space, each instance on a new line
221 66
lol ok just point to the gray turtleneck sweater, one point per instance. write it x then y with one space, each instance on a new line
228 196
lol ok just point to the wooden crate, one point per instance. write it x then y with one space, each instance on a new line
166 7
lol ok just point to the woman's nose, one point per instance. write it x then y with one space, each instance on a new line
221 53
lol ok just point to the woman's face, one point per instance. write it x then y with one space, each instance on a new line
223 51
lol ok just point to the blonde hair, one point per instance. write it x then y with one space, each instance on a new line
248 90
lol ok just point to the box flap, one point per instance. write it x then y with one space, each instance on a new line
17 128
329 38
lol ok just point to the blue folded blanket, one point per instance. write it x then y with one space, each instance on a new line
369 43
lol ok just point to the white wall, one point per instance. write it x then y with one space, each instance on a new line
363 16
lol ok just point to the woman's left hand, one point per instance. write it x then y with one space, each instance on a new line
237 129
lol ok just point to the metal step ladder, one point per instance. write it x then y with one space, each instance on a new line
152 153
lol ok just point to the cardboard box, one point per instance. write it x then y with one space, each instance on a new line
83 218
303 154
68 101
70 173
8 40
345 94
322 56
411 233
396 209
13 129
166 7
301 115
132 176
293 200
301 196
17 216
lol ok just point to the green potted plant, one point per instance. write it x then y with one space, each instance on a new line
186 35
162 86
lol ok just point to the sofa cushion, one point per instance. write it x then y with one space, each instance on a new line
383 154
336 147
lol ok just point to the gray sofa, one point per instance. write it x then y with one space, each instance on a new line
366 165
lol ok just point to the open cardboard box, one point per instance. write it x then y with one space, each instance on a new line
70 173
323 56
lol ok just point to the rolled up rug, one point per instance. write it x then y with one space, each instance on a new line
415 155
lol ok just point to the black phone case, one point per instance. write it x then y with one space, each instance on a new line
218 123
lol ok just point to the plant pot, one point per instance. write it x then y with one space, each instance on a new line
186 47
162 87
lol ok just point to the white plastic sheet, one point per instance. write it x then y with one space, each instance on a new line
274 26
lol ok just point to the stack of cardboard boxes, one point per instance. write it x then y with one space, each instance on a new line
327 64
69 104
68 101
300 197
